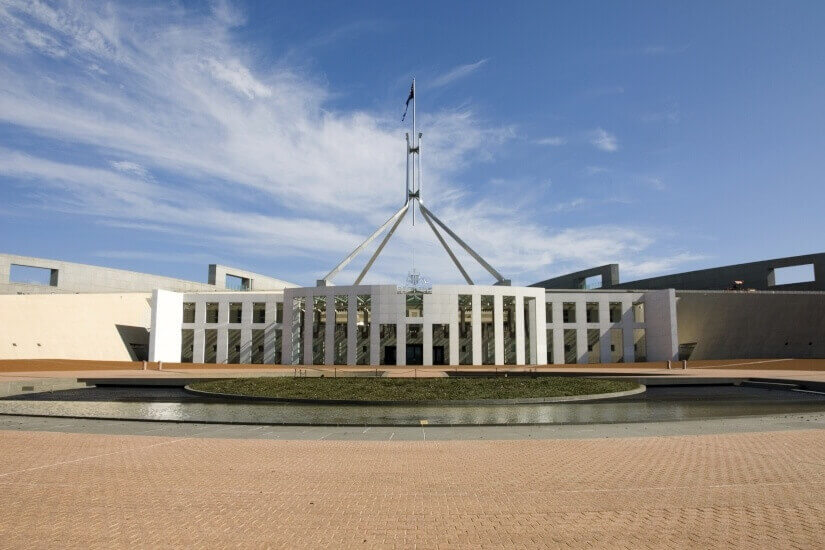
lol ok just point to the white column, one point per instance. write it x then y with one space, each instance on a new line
198 346
476 315
329 332
401 343
221 356
454 349
428 343
246 345
352 328
519 303
498 329
286 332
536 318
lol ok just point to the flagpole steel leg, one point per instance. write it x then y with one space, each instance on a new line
381 246
446 246
501 280
326 280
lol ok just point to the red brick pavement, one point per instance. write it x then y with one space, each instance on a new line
714 491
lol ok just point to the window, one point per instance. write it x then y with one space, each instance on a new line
465 329
32 275
615 312
570 349
415 304
210 351
189 312
568 312
592 312
235 312
594 281
548 312
258 346
639 312
212 312
233 282
259 312
187 345
279 312
234 356
793 274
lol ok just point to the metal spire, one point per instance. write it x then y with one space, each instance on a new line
413 195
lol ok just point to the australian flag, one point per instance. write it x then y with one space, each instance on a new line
407 105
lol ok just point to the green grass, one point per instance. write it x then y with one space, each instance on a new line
413 389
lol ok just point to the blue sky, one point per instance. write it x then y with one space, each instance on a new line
557 136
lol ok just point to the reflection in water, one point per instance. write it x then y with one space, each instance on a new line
556 413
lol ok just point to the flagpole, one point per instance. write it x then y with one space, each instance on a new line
414 145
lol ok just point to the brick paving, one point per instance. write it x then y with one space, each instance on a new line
710 491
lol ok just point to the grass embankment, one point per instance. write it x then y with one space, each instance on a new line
413 389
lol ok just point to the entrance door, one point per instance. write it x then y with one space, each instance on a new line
415 354
438 355
389 355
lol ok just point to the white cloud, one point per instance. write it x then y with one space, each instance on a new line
552 141
456 73
604 140
250 160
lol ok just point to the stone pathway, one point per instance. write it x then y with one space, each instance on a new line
708 491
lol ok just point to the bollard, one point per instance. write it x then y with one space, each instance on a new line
144 365
684 364
668 365
160 365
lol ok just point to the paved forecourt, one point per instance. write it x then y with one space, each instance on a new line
711 491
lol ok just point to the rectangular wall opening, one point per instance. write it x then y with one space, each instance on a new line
235 312
568 312
465 329
277 345
793 274
509 326
549 346
415 304
188 312
234 352
488 339
233 282
441 344
548 312
415 344
615 312
259 312
30 275
210 345
362 329
592 311
638 312
340 339
388 345
571 354
187 345
594 281
212 312
257 357
319 329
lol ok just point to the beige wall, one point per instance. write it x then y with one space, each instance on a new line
73 326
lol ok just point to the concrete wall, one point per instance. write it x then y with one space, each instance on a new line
742 325
167 318
73 277
609 273
756 275
74 326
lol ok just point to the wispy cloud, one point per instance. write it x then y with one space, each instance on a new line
552 141
456 73
603 140
177 130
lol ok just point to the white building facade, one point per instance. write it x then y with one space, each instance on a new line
384 325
